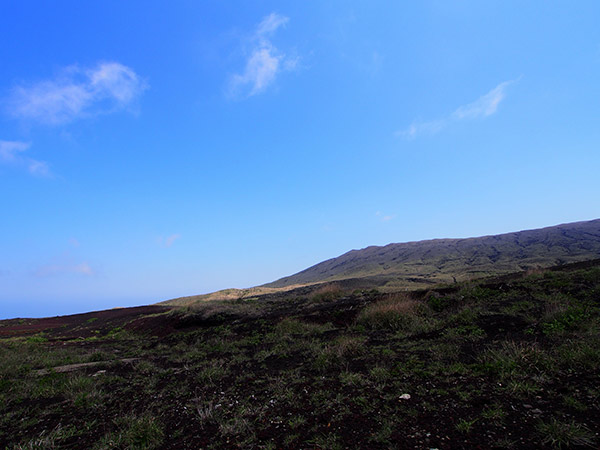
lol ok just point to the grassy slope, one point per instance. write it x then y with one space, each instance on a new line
510 362
421 264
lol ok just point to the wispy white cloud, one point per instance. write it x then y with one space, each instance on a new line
76 93
384 217
270 24
10 150
58 269
264 62
484 106
11 153
169 240
38 168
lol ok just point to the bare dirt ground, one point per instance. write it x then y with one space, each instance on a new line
78 325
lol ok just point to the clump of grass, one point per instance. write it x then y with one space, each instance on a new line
338 351
514 359
559 318
213 310
577 354
465 426
345 346
135 433
560 434
327 292
396 312
38 338
351 378
82 391
494 413
212 372
47 440
465 332
290 326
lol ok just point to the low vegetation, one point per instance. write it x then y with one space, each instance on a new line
510 362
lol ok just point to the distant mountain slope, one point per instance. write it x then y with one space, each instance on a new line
419 264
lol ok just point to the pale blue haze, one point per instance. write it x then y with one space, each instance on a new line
150 150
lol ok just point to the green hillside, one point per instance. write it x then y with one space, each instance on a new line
424 263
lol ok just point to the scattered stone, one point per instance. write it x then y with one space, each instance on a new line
405 397
527 406
536 411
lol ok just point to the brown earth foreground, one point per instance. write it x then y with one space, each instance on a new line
506 362
79 325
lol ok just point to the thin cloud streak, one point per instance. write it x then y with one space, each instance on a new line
9 150
171 239
11 153
385 217
57 269
265 61
483 107
78 93
168 241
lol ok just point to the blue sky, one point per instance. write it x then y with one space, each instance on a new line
150 150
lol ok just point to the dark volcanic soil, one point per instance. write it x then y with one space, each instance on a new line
78 325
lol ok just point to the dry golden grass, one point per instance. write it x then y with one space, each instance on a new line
327 292
396 311
396 303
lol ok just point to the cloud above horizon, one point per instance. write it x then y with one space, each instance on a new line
11 153
58 269
385 217
264 61
168 241
77 93
483 107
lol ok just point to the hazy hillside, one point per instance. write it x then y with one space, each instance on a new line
418 264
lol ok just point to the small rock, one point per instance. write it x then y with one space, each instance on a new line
527 406
536 411
405 397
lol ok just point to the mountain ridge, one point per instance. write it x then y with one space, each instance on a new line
450 259
426 263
